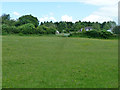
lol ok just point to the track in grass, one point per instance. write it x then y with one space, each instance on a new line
59 62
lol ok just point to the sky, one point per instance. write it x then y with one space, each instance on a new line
84 10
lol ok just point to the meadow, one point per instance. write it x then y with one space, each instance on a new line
59 62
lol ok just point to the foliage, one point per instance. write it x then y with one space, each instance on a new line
21 34
45 30
116 30
77 34
41 29
62 26
99 34
83 30
5 19
51 30
77 26
49 24
27 19
27 28
108 25
70 26
94 34
96 26
9 29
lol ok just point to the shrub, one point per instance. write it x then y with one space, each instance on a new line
45 30
9 29
93 34
4 33
27 28
78 34
105 34
51 30
99 34
21 34
83 30
41 29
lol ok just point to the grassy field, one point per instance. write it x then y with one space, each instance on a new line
59 62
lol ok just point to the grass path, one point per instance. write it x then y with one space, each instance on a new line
59 62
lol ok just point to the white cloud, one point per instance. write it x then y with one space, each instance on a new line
97 18
108 10
53 19
51 13
106 13
47 18
111 11
100 2
16 13
67 18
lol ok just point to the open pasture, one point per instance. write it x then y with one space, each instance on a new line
59 62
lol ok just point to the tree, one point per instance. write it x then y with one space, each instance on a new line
116 30
106 26
102 25
49 24
112 24
96 26
27 19
69 26
77 26
62 26
28 28
51 30
42 29
41 23
5 19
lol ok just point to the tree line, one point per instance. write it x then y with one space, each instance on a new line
28 24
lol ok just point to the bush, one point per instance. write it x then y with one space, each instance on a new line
105 34
78 34
99 34
9 29
27 29
4 33
45 30
41 29
21 34
93 34
51 30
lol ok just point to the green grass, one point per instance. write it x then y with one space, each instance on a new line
59 62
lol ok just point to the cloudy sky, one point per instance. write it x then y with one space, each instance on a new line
61 10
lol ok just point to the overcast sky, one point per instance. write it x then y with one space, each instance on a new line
84 10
